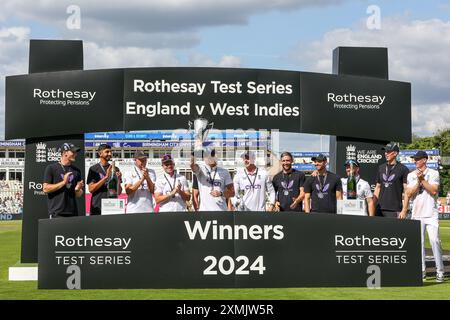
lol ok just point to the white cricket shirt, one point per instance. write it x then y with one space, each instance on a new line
164 185
141 200
251 189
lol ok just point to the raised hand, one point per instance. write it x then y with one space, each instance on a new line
66 177
79 185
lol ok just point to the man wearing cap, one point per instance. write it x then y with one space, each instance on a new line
139 185
322 190
363 191
63 184
250 185
288 185
214 183
172 189
423 186
98 177
390 183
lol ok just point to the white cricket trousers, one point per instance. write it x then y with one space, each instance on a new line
431 225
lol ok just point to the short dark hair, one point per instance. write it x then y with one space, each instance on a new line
103 146
286 153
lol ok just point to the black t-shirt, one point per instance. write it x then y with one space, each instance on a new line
194 182
391 179
62 202
323 192
287 186
95 174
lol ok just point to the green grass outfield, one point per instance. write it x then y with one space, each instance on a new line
10 252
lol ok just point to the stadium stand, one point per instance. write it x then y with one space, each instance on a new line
11 197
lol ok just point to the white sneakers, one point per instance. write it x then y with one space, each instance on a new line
440 277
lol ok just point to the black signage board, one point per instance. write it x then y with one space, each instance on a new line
73 102
39 153
361 61
226 250
63 103
368 153
55 55
359 107
236 98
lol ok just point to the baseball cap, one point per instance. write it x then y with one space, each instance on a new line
320 157
166 158
139 154
420 155
249 154
348 162
69 147
390 147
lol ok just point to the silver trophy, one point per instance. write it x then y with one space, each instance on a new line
201 128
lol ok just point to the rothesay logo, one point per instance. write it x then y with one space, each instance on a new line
36 187
355 101
58 97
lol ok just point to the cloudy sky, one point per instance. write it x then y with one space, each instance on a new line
272 34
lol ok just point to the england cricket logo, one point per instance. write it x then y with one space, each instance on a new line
322 192
53 154
388 179
41 152
351 152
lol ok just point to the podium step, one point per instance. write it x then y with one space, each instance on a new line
23 274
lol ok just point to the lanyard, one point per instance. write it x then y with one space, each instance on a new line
388 173
64 168
286 181
321 185
139 176
103 169
174 181
254 180
143 184
69 184
211 180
